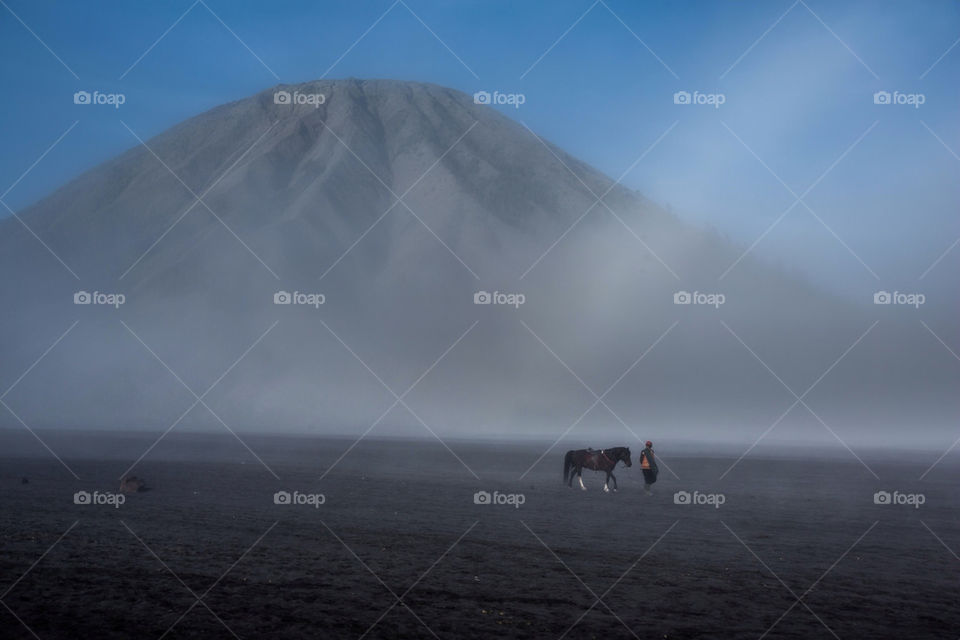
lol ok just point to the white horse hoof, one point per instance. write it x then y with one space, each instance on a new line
606 489
583 488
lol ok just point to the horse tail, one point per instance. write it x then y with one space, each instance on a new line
567 464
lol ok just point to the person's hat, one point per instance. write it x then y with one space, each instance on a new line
649 444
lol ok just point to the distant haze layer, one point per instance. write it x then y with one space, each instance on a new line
352 255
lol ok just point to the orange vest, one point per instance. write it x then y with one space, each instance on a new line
644 462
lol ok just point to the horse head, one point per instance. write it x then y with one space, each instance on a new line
625 456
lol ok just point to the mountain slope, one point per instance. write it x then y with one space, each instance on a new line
299 198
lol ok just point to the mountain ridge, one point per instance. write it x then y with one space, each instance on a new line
486 206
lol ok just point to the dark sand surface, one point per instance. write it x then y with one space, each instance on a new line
400 518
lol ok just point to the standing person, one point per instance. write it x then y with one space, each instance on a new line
648 463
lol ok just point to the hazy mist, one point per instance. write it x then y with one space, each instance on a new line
306 197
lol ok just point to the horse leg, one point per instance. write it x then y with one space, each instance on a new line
614 481
580 478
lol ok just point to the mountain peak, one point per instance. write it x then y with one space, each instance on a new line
398 201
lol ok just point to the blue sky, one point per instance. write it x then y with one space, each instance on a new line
799 99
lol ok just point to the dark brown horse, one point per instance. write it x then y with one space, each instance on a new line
598 460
